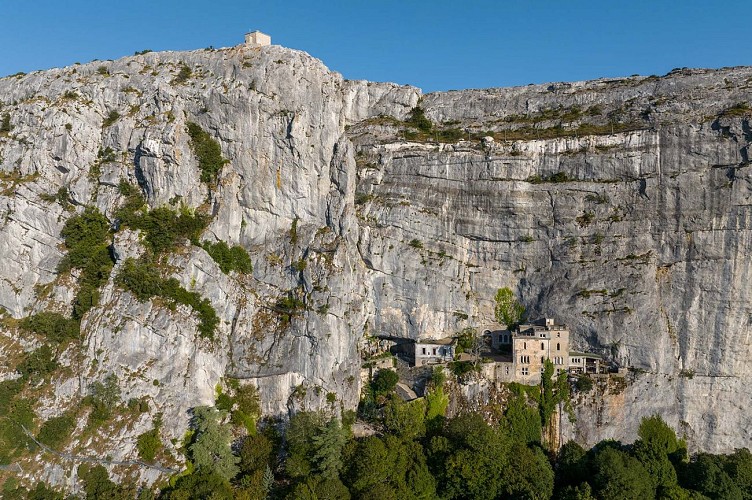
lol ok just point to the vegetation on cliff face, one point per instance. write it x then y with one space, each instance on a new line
143 279
421 454
208 152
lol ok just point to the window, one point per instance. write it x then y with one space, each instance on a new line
524 345
525 371
507 370
558 346
524 359
558 334
543 359
434 351
543 348
424 351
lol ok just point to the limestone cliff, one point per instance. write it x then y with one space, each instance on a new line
621 207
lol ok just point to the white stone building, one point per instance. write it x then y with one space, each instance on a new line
257 39
433 351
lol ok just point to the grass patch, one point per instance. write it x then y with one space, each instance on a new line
738 109
111 118
555 178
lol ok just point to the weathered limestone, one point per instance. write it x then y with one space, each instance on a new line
656 276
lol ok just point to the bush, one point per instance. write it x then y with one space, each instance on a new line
461 368
584 383
38 364
419 120
416 243
103 398
385 381
142 278
229 258
164 228
87 238
149 444
208 153
5 126
183 75
12 439
56 431
53 326
111 118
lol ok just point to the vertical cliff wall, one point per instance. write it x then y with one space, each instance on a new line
618 206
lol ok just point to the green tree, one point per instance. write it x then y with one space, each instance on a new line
618 476
389 468
148 444
256 453
200 485
739 468
654 432
370 464
528 474
56 431
405 419
522 422
300 448
706 474
210 450
98 486
475 468
327 447
571 465
582 491
385 381
508 310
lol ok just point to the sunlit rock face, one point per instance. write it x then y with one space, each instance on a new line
619 207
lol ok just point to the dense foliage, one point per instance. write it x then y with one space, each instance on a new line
208 153
142 278
87 239
229 258
507 309
53 326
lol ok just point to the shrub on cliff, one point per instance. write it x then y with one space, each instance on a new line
229 258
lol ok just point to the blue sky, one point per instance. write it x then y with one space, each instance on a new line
433 44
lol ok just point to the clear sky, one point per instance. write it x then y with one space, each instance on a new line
433 44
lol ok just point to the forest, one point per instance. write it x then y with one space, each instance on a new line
410 450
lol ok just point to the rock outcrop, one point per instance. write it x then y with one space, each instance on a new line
621 207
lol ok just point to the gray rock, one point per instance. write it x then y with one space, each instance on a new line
641 251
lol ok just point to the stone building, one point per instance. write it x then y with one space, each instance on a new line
584 362
433 351
257 39
528 348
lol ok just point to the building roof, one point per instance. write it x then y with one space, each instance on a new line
405 392
444 341
590 355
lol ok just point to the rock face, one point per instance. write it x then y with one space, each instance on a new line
620 207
